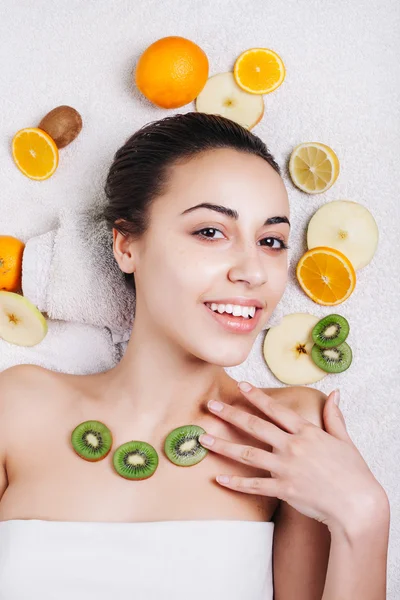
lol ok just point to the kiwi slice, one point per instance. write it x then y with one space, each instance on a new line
91 440
135 460
182 446
331 331
332 360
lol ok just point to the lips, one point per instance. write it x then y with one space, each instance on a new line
236 324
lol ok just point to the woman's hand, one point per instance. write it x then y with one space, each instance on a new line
320 473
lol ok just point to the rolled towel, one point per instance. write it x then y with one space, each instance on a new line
68 348
70 273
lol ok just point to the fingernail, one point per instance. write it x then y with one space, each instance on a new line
336 397
206 440
214 405
244 386
223 478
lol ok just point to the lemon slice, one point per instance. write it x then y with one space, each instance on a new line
313 167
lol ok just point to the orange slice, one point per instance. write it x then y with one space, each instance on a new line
326 275
259 71
35 153
11 255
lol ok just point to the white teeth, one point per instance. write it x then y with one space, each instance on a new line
235 309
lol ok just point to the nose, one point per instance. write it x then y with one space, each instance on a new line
248 266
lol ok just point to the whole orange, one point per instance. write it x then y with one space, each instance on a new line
11 252
172 72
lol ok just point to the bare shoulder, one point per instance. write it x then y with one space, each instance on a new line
24 389
307 402
22 378
16 384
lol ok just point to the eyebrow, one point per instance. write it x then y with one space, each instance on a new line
233 214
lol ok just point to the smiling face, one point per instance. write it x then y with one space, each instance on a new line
190 256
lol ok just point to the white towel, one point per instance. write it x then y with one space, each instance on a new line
70 274
68 348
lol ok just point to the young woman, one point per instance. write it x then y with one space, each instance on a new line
200 221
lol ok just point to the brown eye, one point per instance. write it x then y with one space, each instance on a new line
200 234
270 243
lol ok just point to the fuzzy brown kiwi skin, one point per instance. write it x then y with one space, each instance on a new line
63 124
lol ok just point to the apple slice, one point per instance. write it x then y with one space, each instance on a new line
345 226
287 350
21 323
222 96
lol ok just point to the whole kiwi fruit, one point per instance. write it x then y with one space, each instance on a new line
63 124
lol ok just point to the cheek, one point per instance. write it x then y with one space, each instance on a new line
176 273
278 278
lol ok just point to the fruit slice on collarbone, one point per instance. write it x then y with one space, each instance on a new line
331 331
287 350
222 96
332 360
21 323
236 310
182 445
346 226
91 440
135 460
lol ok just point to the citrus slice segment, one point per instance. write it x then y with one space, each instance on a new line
35 153
259 70
326 276
313 167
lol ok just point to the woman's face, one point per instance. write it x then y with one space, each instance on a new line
192 256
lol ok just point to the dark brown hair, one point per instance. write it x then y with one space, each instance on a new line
140 169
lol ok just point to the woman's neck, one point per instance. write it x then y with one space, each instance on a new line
159 382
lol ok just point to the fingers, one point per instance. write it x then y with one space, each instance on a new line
334 420
285 417
258 428
255 457
261 486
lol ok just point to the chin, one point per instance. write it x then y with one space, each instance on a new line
227 353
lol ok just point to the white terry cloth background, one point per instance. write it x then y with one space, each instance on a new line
342 88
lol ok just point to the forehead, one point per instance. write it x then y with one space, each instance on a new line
239 180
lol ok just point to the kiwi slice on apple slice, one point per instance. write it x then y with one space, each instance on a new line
332 360
135 460
21 323
331 331
91 440
182 445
